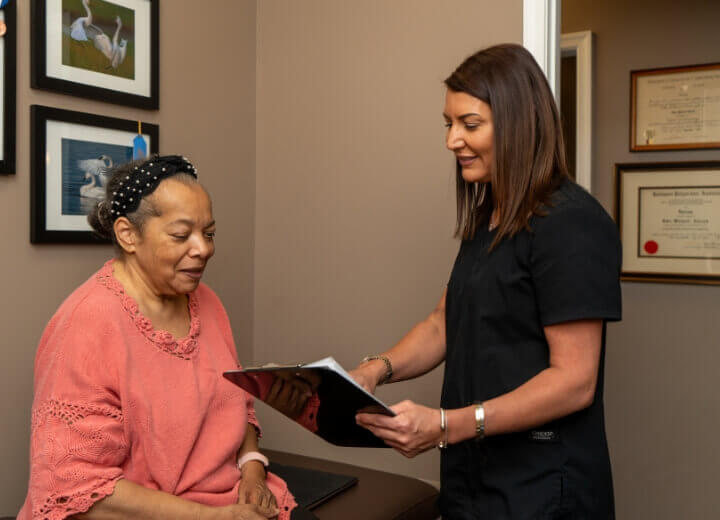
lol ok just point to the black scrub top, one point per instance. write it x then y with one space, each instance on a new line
565 268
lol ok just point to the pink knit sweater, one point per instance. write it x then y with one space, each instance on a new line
115 398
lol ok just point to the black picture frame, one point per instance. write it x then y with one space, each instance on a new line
9 64
40 78
40 159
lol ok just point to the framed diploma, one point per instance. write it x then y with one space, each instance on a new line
675 108
669 220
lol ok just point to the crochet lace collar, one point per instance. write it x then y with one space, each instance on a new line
162 339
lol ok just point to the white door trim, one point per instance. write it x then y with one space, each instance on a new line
579 44
541 36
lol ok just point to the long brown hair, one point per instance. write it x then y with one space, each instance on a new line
529 151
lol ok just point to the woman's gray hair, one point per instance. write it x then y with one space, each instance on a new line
102 219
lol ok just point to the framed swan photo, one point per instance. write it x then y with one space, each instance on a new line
71 153
99 49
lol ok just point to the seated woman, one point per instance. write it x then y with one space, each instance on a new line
131 415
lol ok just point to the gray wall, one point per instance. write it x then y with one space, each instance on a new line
662 401
207 113
355 189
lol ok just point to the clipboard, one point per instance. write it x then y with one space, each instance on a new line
319 396
311 487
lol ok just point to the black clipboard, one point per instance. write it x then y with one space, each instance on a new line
312 487
319 396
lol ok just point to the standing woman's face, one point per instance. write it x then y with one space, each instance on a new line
175 246
470 134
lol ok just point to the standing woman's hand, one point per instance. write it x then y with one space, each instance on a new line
414 430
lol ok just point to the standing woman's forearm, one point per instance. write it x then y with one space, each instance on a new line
419 351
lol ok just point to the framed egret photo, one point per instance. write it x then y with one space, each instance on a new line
99 49
71 155
8 36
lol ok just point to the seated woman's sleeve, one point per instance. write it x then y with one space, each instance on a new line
77 440
575 265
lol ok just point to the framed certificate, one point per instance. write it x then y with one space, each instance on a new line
669 220
675 108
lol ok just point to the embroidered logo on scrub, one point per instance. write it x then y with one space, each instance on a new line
544 435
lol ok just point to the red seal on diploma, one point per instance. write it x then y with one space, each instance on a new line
651 247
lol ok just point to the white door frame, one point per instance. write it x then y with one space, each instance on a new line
541 36
579 44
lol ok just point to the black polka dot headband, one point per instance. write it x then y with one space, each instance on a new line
142 181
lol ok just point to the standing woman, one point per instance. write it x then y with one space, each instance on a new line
521 325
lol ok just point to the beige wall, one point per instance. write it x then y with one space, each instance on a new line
207 100
338 240
662 402
355 190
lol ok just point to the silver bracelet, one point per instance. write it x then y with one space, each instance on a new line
479 422
388 367
443 428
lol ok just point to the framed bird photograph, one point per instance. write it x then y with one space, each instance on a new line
99 49
8 36
71 156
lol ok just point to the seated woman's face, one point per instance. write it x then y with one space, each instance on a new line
175 246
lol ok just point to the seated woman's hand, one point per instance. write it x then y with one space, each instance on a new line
413 430
253 489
